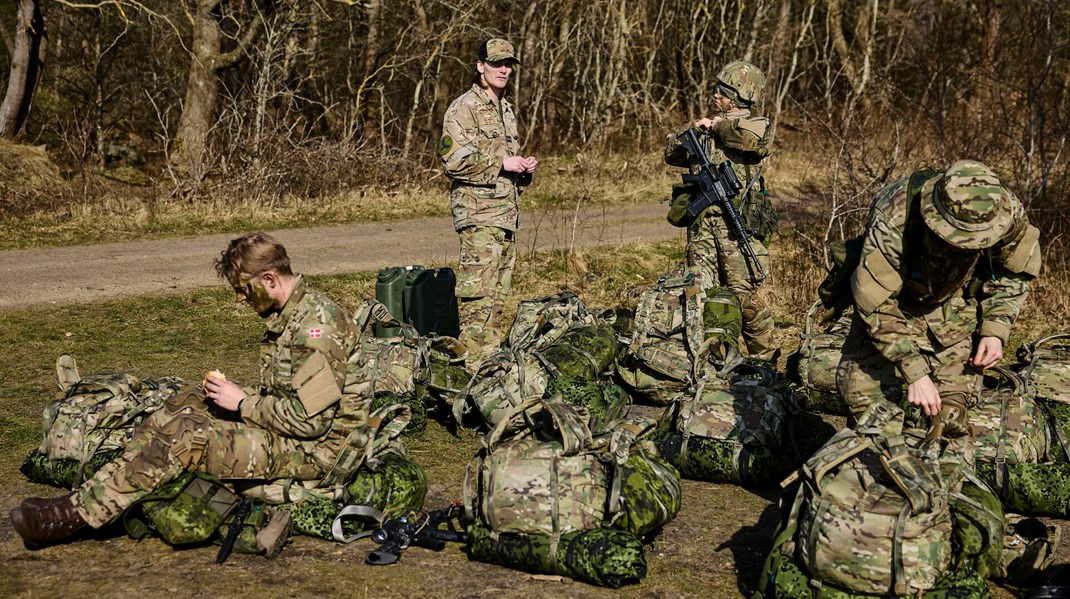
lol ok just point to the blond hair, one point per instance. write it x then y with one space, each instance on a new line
250 255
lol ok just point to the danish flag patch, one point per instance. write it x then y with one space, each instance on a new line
315 333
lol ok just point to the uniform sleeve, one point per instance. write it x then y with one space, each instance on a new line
304 407
1006 272
875 285
747 134
675 154
463 158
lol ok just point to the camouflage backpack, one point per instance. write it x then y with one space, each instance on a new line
1008 425
1045 363
872 514
812 366
91 421
745 430
510 377
555 477
542 321
678 335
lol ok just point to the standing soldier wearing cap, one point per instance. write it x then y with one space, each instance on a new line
946 262
479 153
713 253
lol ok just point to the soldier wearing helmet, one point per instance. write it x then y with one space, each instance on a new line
480 154
734 134
946 262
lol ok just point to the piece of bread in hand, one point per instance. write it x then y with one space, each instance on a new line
215 374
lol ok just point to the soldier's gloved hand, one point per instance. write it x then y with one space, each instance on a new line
989 353
923 394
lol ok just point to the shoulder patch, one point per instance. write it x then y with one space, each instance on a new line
757 126
445 145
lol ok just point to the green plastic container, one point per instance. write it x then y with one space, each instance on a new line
391 285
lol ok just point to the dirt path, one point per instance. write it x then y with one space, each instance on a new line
96 272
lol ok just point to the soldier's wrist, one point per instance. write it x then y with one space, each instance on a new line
913 368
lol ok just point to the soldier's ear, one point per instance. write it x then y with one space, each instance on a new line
270 279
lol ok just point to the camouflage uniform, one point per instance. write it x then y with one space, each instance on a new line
478 133
713 253
946 257
296 425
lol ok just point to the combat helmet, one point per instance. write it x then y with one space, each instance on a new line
967 206
744 80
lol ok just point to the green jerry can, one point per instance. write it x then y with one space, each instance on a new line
390 288
431 303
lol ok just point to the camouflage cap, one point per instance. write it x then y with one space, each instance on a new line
497 49
967 206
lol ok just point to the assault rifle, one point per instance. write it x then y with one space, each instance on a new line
415 528
718 185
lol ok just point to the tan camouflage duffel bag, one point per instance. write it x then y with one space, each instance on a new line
556 477
812 366
680 334
872 513
542 321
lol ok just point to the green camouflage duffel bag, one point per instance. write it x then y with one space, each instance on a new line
1045 363
509 377
556 477
91 422
197 508
679 335
872 514
602 556
812 366
605 402
748 431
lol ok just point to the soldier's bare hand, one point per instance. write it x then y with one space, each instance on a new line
531 165
515 164
706 123
224 394
923 393
989 353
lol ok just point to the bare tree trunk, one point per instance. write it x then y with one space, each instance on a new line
371 51
27 59
202 86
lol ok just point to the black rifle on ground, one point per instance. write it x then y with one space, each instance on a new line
718 185
415 528
235 528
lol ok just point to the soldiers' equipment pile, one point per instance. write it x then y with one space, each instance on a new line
531 495
679 335
551 337
743 429
871 515
91 422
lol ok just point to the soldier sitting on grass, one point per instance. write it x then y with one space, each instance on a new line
296 424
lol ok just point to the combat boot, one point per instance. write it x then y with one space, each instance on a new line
42 522
271 538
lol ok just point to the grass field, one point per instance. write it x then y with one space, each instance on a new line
713 549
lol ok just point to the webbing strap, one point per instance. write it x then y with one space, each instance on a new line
354 510
900 583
